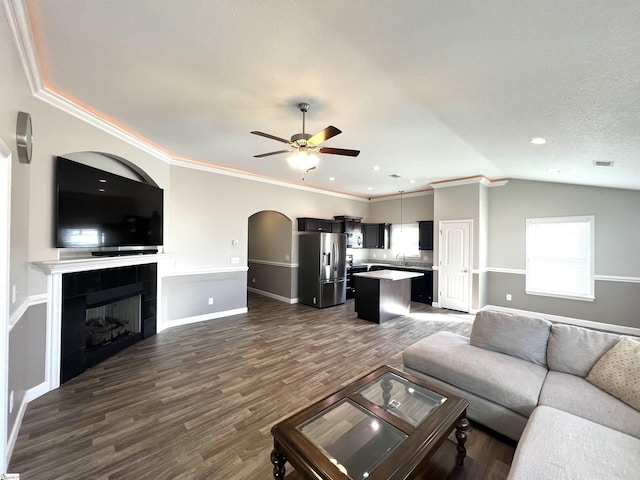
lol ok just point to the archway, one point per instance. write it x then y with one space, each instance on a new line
269 258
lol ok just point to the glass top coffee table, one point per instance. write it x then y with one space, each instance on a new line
385 425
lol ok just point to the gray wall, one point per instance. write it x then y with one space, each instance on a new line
210 211
187 296
26 355
463 202
617 225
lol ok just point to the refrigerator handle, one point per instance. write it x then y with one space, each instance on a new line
335 257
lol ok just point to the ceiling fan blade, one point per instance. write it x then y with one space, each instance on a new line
340 151
271 153
324 135
272 137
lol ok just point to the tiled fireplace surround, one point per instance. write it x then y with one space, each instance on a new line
73 278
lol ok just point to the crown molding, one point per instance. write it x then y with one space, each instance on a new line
392 196
481 179
67 106
18 19
232 172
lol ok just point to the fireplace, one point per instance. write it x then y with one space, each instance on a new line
113 322
103 312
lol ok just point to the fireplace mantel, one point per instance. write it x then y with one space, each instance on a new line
54 269
83 264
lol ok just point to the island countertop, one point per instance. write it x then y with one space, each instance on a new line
391 275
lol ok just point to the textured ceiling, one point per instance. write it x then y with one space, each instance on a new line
427 90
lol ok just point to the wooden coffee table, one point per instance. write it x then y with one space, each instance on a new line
385 425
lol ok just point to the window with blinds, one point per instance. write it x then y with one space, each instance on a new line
560 260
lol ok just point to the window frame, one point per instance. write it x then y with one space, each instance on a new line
396 249
530 289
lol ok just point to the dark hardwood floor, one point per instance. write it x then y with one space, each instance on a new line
198 401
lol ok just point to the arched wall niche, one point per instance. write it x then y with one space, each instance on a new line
111 163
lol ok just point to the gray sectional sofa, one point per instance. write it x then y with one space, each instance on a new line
526 378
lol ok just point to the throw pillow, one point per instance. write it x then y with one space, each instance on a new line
618 372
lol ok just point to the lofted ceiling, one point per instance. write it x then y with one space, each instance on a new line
427 90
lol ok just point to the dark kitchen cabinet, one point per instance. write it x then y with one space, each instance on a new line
306 224
376 235
352 226
351 285
422 288
425 235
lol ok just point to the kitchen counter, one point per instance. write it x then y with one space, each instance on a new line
383 294
392 275
394 266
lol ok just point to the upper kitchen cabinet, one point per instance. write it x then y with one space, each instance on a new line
353 228
376 235
425 235
306 224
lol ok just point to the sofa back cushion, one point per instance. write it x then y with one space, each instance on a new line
519 336
575 350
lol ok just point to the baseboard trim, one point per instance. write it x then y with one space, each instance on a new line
280 298
29 396
200 318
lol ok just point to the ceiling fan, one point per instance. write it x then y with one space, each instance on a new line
306 144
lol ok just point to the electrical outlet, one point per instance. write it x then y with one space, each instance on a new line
286 257
508 297
210 300
11 402
14 293
235 260
235 242
253 280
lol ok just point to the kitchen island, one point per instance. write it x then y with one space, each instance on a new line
383 294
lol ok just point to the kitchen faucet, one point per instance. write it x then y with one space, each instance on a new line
404 258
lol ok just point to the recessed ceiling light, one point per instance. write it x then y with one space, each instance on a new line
603 163
369 188
538 141
375 168
412 181
553 170
331 179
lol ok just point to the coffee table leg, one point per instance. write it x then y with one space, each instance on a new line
461 436
278 460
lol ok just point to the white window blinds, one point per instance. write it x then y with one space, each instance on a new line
560 257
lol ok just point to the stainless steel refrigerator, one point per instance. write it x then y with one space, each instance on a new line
322 268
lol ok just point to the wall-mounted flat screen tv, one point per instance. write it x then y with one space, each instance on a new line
97 209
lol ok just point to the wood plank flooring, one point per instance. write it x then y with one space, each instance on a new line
198 401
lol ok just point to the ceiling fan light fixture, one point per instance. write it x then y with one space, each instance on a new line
303 160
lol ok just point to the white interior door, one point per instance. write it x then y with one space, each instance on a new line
454 274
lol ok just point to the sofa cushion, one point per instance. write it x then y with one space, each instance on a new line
559 445
575 350
618 372
575 395
518 336
508 381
